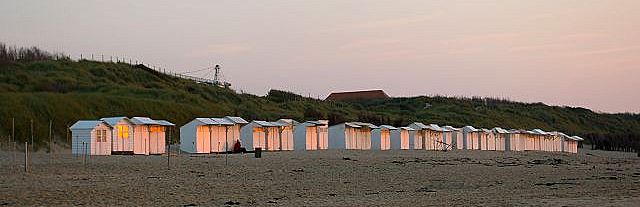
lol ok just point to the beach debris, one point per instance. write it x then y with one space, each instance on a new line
425 190
372 193
608 178
231 203
332 194
549 161
398 162
556 183
272 201
298 170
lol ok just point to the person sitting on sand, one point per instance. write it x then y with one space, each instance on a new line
236 146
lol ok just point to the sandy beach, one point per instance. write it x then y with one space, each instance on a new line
325 178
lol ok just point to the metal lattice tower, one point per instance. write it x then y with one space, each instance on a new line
216 75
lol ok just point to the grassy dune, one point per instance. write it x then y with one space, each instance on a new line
65 91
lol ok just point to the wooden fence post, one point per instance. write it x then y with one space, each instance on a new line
26 157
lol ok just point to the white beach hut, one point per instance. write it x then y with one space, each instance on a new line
160 147
233 132
351 135
381 137
149 136
502 139
90 137
418 137
447 138
546 140
455 137
262 134
516 140
400 138
470 137
437 137
311 135
571 144
204 135
490 140
529 139
557 141
285 139
121 134
536 139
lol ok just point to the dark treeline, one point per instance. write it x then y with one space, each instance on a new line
25 54
614 142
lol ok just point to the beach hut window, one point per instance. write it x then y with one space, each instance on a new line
156 129
123 132
101 136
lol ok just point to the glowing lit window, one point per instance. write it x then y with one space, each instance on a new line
123 132
156 129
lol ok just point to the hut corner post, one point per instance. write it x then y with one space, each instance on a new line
51 141
84 155
14 154
226 145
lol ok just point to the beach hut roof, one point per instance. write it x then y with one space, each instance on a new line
352 125
556 133
470 128
144 121
223 121
165 123
435 127
388 127
362 124
112 121
577 138
486 130
288 122
85 124
314 123
500 130
236 119
420 126
407 128
450 128
207 121
268 124
279 124
539 131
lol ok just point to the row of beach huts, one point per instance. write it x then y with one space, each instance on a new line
146 136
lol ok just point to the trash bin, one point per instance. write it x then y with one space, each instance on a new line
258 152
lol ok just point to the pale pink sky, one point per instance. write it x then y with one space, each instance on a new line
578 53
